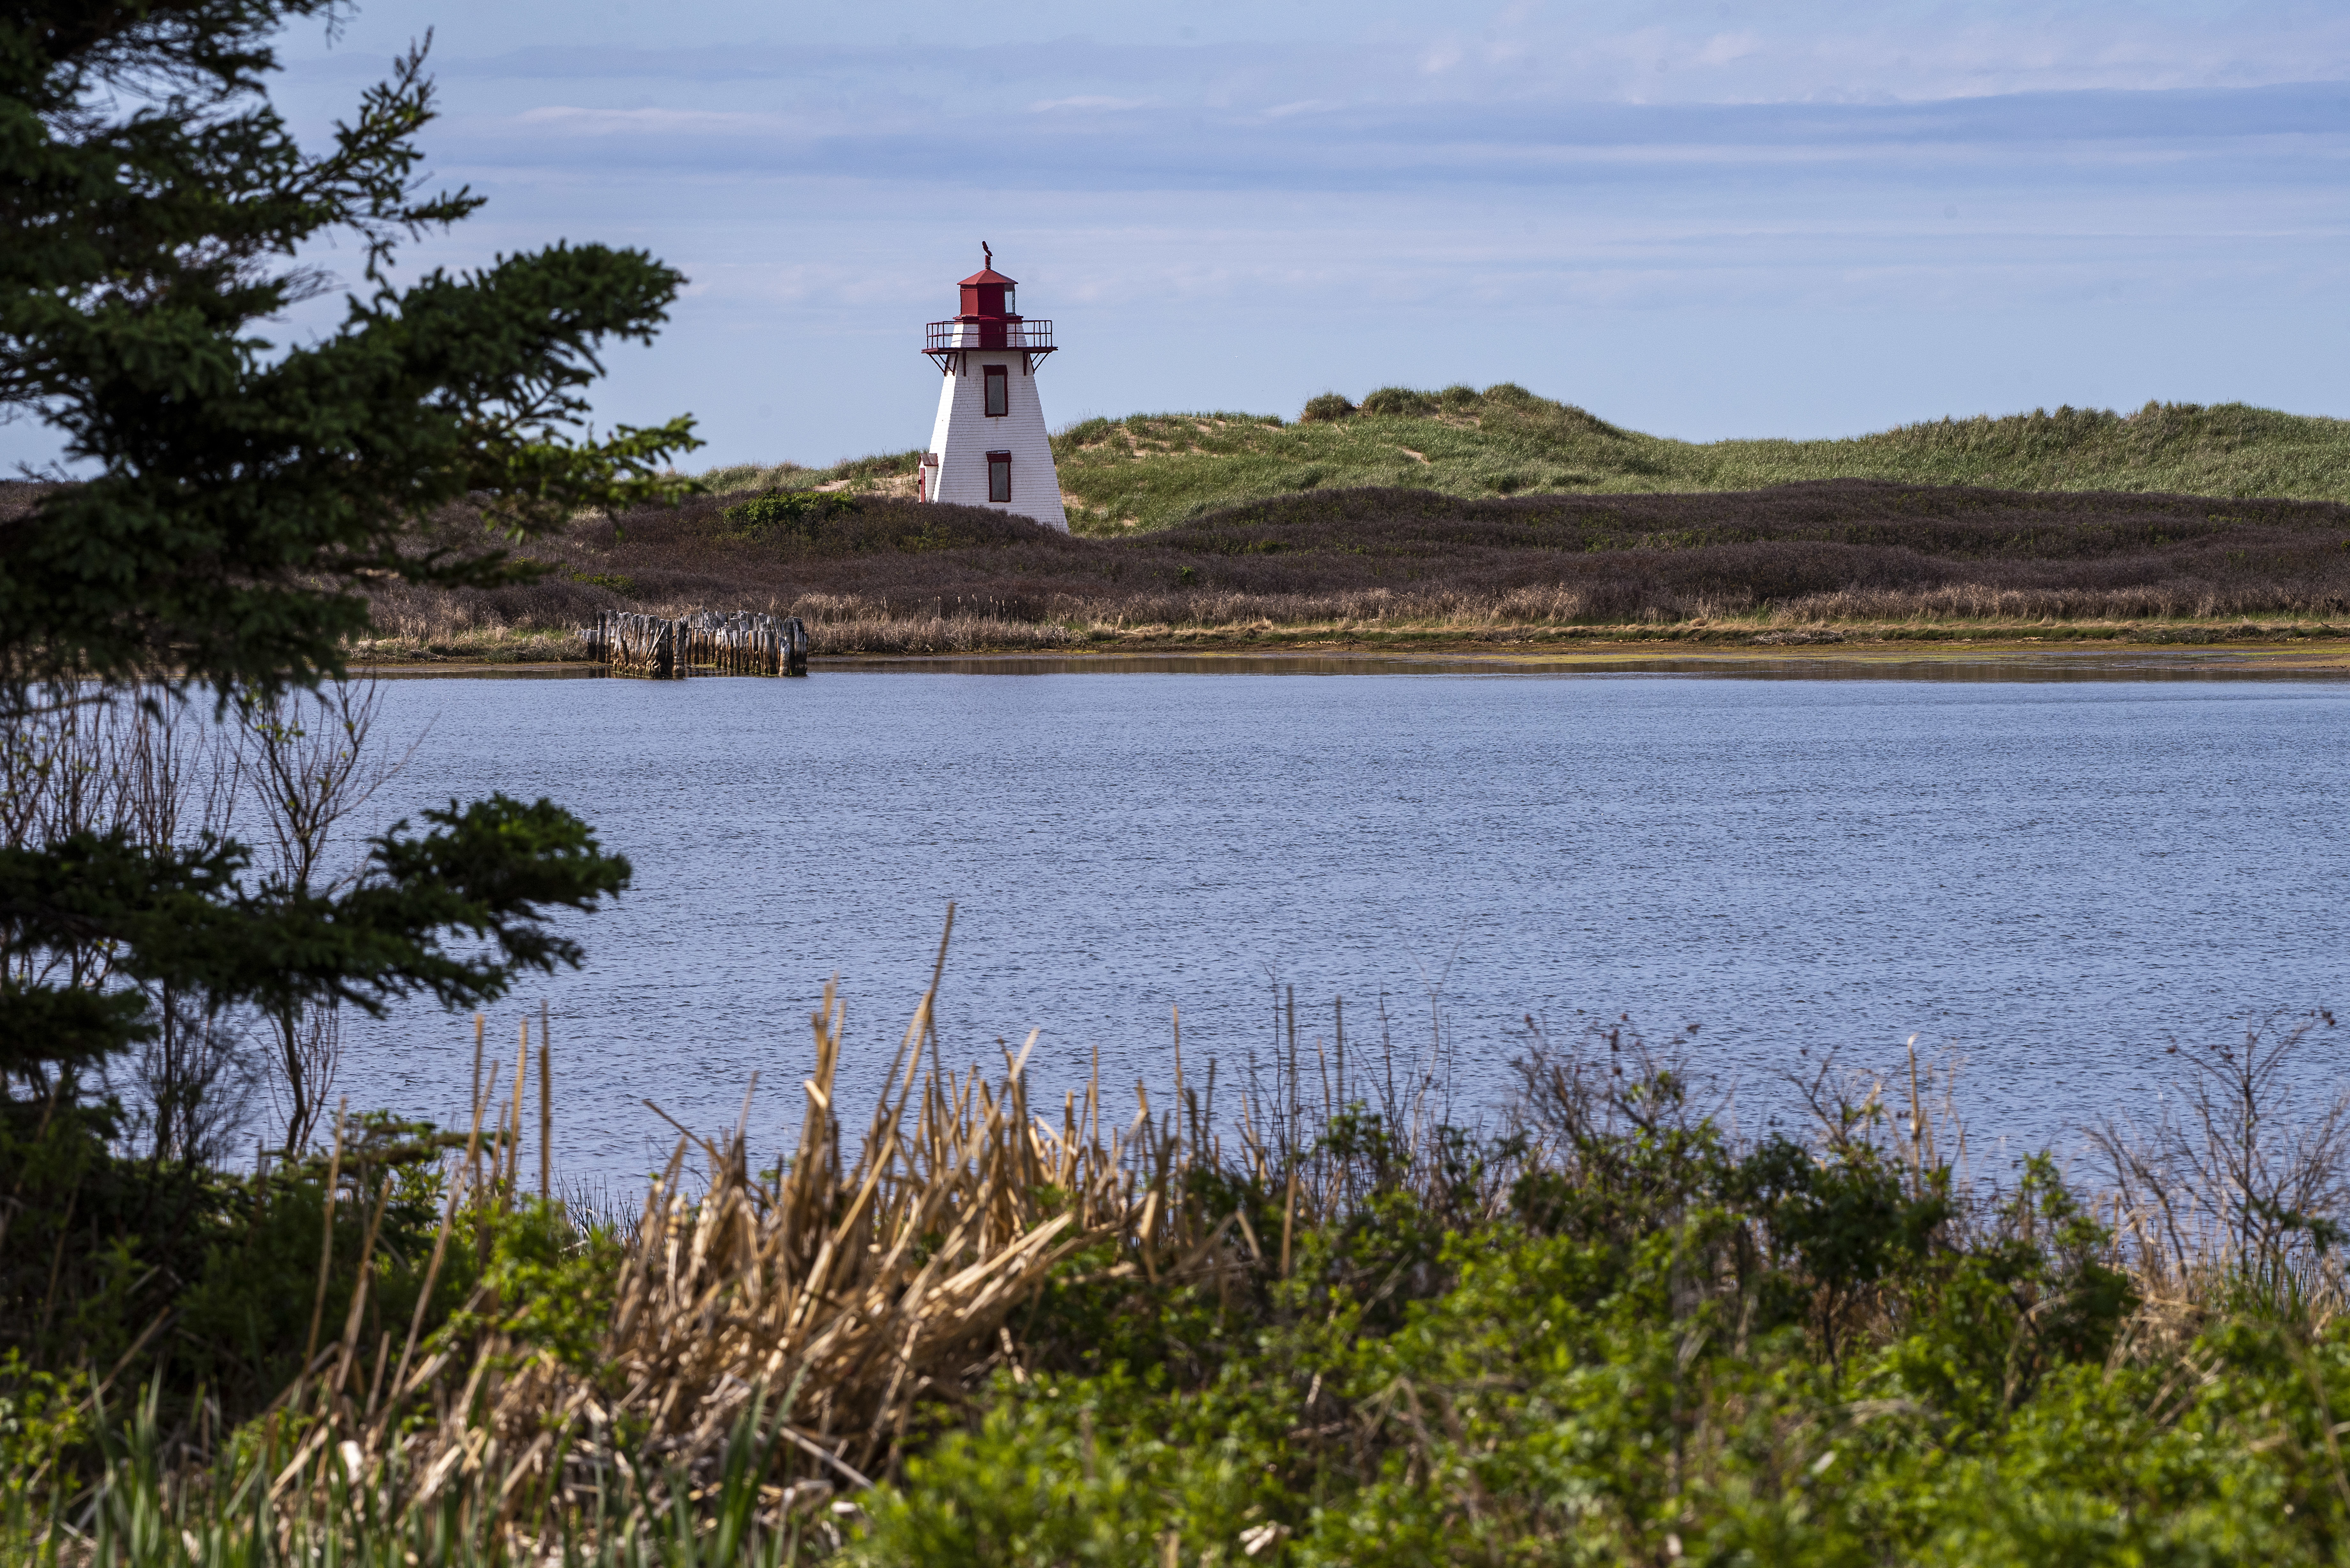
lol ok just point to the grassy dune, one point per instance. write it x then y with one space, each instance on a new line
1151 470
1474 517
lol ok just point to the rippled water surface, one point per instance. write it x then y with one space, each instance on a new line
2053 880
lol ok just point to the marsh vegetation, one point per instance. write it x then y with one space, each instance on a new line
873 573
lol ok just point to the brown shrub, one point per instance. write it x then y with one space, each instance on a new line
891 574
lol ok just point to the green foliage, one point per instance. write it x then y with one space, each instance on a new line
1083 435
793 513
245 1318
493 873
43 1417
1623 1179
1559 1402
207 1279
1393 402
236 1279
1325 408
1844 1216
851 475
1672 1349
1555 1399
245 487
549 1284
243 495
98 1242
1074 1471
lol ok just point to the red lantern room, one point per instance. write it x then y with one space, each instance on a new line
990 319
987 295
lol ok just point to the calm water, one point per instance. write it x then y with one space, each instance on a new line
2052 879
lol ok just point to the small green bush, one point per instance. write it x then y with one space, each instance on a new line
1399 402
797 513
1325 408
552 1281
43 1417
242 1319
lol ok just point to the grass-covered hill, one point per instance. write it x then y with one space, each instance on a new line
1150 472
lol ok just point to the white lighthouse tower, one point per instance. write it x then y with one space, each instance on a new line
989 447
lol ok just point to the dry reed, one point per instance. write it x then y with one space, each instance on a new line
848 1290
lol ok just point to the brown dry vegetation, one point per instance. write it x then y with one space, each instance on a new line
873 1279
885 575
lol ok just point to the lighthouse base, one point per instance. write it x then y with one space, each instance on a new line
989 447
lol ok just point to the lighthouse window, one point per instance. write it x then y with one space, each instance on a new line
999 476
999 391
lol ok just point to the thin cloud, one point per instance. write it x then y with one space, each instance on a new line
645 121
2274 137
1099 104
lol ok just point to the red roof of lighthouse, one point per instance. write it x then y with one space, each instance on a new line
985 275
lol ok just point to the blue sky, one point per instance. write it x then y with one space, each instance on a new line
1701 220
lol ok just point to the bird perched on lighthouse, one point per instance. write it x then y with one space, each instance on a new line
988 447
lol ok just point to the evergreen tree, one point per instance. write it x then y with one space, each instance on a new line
242 491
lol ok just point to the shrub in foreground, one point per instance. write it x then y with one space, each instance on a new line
1607 1333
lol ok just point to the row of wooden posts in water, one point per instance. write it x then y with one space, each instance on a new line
703 643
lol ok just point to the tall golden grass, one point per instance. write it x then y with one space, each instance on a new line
828 1303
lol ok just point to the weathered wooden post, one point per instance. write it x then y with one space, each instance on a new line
742 643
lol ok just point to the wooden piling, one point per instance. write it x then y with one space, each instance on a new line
664 649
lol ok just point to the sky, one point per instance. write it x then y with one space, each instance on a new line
1700 220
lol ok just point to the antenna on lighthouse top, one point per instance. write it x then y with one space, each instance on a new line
987 257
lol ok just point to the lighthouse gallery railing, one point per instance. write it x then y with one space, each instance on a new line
1031 336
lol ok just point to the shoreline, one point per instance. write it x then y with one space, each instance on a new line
2026 658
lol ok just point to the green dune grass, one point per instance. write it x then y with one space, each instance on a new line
1151 470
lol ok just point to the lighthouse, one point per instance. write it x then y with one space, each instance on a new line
987 446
